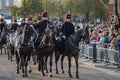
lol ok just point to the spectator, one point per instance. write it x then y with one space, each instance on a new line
113 41
118 46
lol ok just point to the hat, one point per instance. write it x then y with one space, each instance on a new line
15 20
68 16
44 14
1 19
29 18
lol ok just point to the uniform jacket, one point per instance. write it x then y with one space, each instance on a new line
67 29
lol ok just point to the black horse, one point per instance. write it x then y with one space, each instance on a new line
71 49
24 48
3 39
45 50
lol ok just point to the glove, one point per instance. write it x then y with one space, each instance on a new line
64 36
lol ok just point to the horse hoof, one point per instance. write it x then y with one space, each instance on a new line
46 71
39 69
57 72
63 72
23 75
50 75
30 71
42 74
26 75
77 76
70 76
17 72
34 63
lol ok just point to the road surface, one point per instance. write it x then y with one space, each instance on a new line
86 72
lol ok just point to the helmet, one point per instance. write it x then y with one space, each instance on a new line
44 14
1 19
29 18
68 16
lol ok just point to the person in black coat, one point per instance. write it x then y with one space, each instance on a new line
67 28
41 26
14 25
2 25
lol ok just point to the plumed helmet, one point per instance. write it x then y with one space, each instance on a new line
15 20
29 18
1 19
44 14
68 16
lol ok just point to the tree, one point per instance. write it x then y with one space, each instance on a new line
31 7
14 10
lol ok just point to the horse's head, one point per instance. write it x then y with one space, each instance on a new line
28 32
83 34
48 36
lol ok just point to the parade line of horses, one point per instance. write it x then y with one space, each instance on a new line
26 44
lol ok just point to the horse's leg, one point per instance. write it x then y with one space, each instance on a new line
42 66
46 58
12 51
1 49
62 58
22 66
50 74
17 62
77 65
26 65
34 58
39 65
29 65
57 55
8 52
69 63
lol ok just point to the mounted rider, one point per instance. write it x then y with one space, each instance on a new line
14 26
41 26
66 30
2 26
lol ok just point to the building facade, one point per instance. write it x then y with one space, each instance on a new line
4 3
111 7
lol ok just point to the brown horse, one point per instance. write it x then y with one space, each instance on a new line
45 50
71 49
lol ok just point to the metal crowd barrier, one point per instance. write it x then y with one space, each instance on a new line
102 54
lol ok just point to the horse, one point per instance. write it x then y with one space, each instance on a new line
3 38
24 48
45 50
71 49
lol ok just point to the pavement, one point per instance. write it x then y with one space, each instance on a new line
108 68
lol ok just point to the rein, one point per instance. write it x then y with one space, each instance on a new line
73 44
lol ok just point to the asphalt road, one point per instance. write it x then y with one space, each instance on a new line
86 72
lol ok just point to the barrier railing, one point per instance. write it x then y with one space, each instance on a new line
97 51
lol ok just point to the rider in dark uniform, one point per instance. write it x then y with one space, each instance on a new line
14 25
2 25
67 29
41 26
